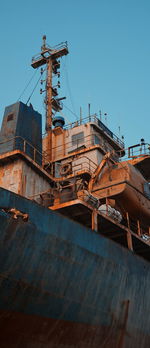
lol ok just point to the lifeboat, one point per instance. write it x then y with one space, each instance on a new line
123 184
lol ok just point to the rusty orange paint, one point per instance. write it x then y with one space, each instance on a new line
123 183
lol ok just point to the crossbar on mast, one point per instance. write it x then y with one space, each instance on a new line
49 57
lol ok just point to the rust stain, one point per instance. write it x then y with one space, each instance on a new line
11 230
124 325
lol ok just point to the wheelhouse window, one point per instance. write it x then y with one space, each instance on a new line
96 140
77 139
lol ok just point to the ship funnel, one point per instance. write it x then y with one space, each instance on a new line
58 121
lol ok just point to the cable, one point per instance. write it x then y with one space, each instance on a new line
27 85
33 90
71 111
69 89
64 116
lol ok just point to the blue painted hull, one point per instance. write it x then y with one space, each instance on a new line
63 285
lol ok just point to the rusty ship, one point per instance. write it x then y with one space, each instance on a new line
74 228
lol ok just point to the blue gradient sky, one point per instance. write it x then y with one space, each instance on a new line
108 65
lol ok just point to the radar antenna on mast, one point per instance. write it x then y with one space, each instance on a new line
49 57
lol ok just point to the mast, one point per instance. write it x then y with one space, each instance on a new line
49 57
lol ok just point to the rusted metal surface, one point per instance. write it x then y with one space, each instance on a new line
62 284
104 130
139 156
24 123
49 57
18 143
20 330
19 176
59 278
124 326
139 150
49 110
98 171
129 236
94 221
125 184
142 164
80 211
63 146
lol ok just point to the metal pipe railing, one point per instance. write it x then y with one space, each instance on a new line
19 143
94 119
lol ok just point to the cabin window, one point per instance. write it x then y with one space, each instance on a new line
10 117
96 140
77 139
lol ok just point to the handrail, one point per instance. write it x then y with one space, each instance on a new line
86 164
138 150
84 142
80 164
94 118
51 50
24 143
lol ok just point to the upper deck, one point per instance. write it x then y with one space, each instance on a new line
114 140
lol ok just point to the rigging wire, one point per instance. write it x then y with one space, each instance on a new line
70 111
69 89
33 90
64 116
27 84
63 66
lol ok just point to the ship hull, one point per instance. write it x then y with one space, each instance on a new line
21 330
63 285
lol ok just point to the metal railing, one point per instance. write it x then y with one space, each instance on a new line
84 142
50 51
138 150
86 165
94 119
19 143
80 164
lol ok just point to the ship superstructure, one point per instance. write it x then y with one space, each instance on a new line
79 171
84 159
76 167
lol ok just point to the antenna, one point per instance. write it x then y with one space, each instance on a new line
43 48
89 111
100 115
80 115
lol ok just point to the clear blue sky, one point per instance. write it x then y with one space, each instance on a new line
108 64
